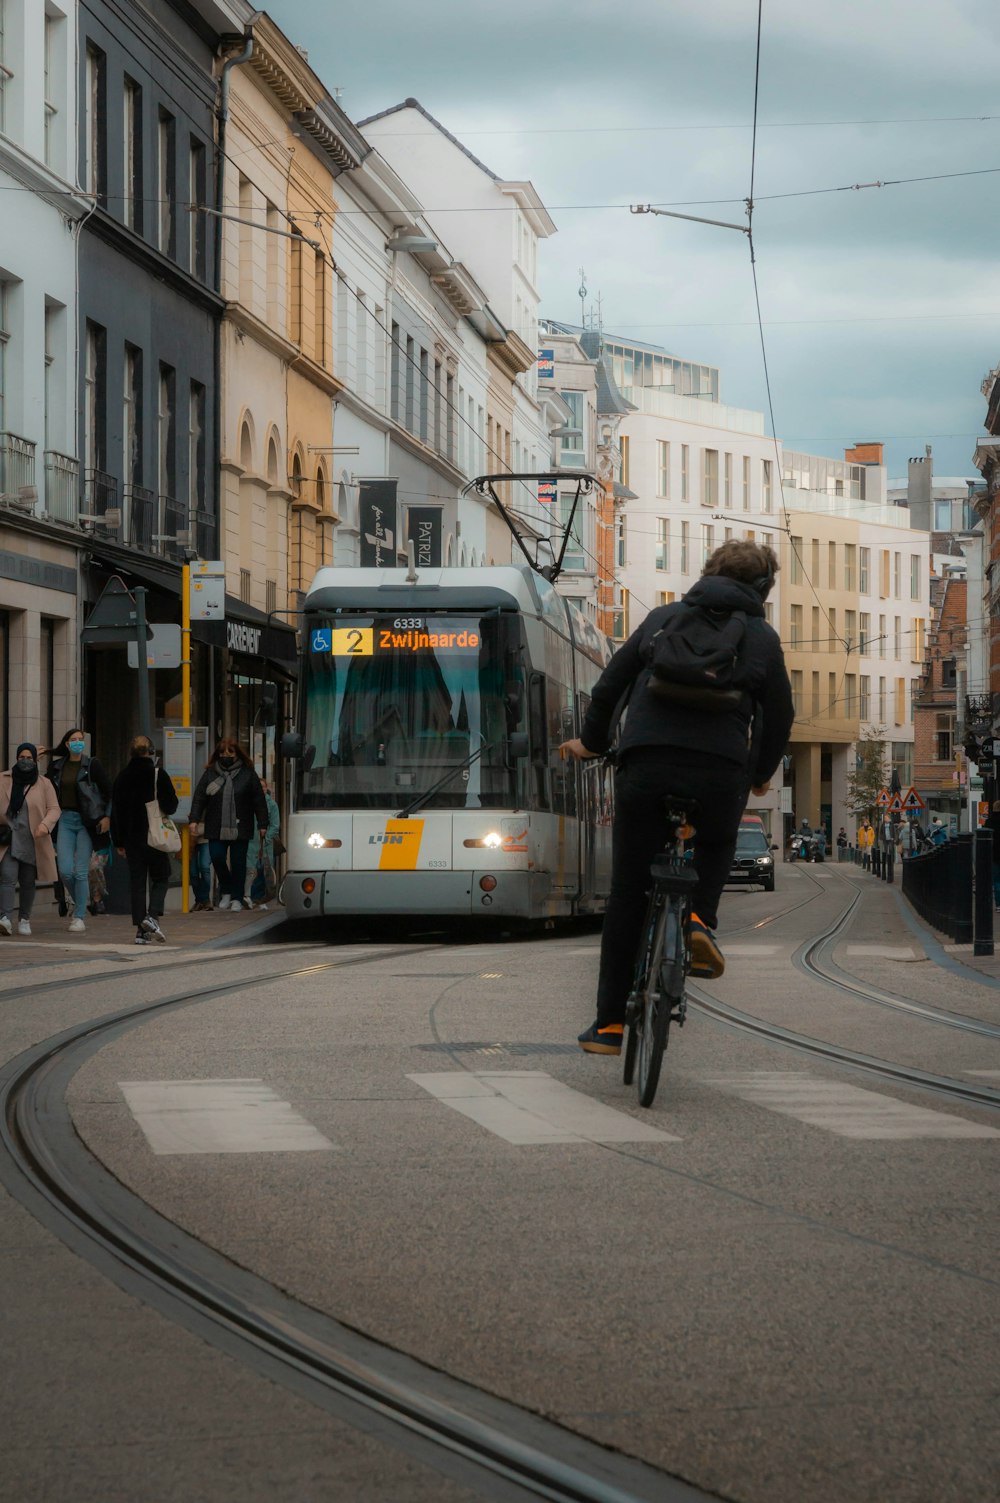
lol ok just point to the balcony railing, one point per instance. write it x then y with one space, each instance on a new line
140 518
17 471
62 481
100 504
204 525
172 534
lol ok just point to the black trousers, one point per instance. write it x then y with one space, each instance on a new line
643 781
147 867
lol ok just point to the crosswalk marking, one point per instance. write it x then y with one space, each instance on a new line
530 1107
218 1116
846 1110
884 952
749 952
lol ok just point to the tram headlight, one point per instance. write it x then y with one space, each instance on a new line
493 841
316 841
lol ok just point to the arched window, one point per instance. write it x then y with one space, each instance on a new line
246 446
449 551
320 491
463 558
272 461
296 476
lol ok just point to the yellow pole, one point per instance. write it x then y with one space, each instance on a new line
186 852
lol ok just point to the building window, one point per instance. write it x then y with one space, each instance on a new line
624 446
795 570
795 627
850 564
897 637
814 561
166 176
832 639
95 379
319 309
132 126
662 469
864 563
662 543
571 449
707 543
196 448
685 472
850 695
882 633
897 575
449 421
917 641
246 586
165 433
96 141
410 369
915 573
814 702
621 546
684 547
47 695
727 481
710 478
902 761
5 77
54 35
767 485
4 340
831 562
665 597
196 229
271 596
394 372
943 749
865 707
851 629
942 516
865 640
900 710
881 701
438 405
132 417
797 690
832 706
746 482
815 641
884 567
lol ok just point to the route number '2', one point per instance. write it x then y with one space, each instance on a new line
353 642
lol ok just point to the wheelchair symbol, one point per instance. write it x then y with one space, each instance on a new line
322 641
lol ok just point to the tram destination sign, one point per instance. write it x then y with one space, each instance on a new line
402 634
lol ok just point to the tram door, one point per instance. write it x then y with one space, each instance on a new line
595 811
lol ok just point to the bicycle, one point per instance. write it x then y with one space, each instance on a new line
657 998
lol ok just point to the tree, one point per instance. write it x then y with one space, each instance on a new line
870 773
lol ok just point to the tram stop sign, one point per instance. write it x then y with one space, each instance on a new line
112 621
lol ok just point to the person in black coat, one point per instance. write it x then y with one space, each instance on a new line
138 783
227 802
710 756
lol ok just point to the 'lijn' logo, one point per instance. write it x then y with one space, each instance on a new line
385 839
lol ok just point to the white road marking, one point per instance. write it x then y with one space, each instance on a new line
884 952
530 1107
218 1116
846 1110
993 1074
748 952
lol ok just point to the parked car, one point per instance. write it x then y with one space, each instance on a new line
753 860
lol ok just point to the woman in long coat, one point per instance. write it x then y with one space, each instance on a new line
228 802
29 812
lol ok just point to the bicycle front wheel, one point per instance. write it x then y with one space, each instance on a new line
654 1024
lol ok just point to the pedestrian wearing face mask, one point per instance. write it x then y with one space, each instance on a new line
227 803
83 789
29 811
136 785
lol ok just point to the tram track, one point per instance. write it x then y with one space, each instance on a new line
48 1168
812 958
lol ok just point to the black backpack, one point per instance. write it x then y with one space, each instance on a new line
693 659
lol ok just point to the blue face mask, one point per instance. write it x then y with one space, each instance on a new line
77 746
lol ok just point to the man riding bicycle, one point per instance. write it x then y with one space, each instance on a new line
708 749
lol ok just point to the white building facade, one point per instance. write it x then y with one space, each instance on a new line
39 471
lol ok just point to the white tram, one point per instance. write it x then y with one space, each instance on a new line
427 775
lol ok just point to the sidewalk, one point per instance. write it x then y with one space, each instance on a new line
116 931
936 945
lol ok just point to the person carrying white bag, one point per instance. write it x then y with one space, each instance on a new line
142 800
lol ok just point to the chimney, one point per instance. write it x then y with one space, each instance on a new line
864 453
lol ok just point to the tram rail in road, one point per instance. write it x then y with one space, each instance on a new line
462 1431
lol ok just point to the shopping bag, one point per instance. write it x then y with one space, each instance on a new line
163 833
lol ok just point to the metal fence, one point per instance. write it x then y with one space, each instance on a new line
938 885
62 484
17 470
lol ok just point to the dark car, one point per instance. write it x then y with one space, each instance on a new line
753 860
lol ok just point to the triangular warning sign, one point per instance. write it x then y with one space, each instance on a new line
912 801
883 797
113 617
896 804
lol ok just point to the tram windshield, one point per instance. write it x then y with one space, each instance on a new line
392 703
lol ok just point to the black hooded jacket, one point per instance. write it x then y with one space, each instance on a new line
133 789
765 715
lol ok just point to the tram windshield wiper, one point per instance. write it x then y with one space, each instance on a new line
422 798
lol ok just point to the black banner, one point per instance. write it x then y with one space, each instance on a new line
423 530
377 506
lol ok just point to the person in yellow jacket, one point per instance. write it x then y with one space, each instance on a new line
866 839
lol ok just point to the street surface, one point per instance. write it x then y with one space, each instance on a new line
779 1284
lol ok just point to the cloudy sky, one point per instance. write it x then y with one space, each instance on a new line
881 306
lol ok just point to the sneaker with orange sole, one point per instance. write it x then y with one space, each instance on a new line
706 958
606 1040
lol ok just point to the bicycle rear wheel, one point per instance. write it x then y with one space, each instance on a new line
654 1022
